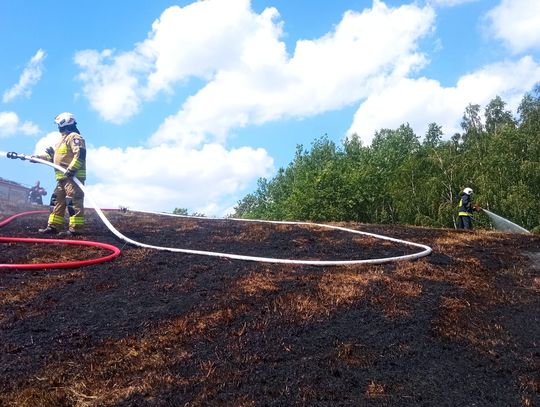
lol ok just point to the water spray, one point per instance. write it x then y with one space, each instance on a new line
503 224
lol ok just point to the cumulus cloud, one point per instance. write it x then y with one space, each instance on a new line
516 23
204 37
11 125
180 46
111 83
323 74
422 101
251 79
204 178
29 77
174 177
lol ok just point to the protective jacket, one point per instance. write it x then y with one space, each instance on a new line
69 153
465 205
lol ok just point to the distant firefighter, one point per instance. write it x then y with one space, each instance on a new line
35 194
466 209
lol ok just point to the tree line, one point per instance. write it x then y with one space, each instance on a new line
403 179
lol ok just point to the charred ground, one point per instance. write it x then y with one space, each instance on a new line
153 328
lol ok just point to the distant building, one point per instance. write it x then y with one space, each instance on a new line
12 193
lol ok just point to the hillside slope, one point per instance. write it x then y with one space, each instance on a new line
460 327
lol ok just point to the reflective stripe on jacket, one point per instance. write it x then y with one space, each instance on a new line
70 153
465 205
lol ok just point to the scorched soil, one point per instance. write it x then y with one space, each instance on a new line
460 327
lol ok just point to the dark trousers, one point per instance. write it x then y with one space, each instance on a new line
465 222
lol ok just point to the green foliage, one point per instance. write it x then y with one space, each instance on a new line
184 212
398 179
433 135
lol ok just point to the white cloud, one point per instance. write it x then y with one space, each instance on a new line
29 77
203 37
111 88
174 177
204 178
49 140
11 125
251 78
517 24
422 101
338 69
193 41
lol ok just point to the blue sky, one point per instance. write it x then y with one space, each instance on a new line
186 104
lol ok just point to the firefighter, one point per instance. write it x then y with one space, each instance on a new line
69 153
466 209
35 194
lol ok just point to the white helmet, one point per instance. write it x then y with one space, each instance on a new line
65 119
468 191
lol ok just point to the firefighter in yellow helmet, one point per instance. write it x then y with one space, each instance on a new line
69 153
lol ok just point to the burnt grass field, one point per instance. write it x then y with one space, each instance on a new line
460 327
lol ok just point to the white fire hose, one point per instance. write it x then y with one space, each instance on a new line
426 250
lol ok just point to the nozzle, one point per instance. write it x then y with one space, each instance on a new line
13 155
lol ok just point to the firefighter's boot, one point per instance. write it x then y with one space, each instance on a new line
49 230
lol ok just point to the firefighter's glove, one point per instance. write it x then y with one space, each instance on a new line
50 151
477 208
70 173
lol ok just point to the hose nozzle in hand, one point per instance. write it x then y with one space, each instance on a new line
13 155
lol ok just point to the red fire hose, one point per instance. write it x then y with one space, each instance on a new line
71 264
